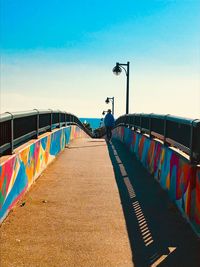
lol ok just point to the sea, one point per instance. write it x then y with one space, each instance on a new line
94 122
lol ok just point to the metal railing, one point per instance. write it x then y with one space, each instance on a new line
19 127
182 133
99 132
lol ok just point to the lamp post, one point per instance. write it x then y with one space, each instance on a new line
108 101
117 70
104 112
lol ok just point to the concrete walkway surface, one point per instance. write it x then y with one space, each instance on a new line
96 206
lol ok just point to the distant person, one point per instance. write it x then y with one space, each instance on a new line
109 123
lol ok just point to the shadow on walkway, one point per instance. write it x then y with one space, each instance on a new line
158 234
77 147
90 144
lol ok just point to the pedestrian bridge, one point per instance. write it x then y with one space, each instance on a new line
71 200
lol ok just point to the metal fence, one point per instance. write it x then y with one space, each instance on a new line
99 132
19 127
178 132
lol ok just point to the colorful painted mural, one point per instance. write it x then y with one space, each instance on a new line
19 171
173 171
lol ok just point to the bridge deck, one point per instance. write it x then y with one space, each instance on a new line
96 206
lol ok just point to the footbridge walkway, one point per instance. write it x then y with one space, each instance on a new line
132 201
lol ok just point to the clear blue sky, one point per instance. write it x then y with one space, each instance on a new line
59 54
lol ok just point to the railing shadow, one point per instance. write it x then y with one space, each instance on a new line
76 147
158 234
90 144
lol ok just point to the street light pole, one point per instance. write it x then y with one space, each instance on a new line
117 70
113 101
113 106
127 88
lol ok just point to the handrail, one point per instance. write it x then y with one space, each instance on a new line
179 132
19 127
100 132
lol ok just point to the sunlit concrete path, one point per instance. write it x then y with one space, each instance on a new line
96 205
72 216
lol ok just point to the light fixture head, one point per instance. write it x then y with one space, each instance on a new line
103 113
107 100
117 70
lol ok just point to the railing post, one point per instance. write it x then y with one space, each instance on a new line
150 125
192 159
65 119
165 129
37 122
140 123
12 135
51 120
134 121
59 118
191 143
11 150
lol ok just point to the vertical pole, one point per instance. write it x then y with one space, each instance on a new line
113 105
191 143
165 129
12 135
127 88
140 123
65 119
11 149
37 123
192 159
150 125
59 119
51 120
